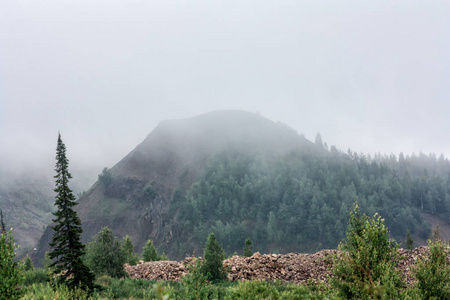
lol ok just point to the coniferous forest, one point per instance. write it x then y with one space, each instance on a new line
300 202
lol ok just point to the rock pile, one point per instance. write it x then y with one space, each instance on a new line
408 260
292 267
157 270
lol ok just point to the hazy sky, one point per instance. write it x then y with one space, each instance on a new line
373 76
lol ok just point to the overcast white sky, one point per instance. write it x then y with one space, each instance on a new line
373 76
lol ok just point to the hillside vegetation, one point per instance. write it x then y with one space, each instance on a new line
242 176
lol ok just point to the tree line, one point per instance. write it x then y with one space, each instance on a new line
301 202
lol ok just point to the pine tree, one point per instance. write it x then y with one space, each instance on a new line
409 243
248 248
212 266
66 247
149 252
127 247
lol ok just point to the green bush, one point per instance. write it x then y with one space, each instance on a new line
196 285
365 269
212 266
433 272
10 271
45 291
105 256
253 290
127 288
35 276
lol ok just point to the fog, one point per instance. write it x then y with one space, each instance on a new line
372 76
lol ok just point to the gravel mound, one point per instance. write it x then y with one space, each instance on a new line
292 267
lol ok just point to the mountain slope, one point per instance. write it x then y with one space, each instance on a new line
137 199
240 175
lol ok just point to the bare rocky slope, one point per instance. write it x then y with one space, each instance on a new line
292 267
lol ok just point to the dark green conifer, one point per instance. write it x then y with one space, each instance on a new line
149 252
66 247
128 249
212 266
248 248
409 243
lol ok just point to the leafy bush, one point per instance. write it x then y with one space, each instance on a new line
45 291
127 288
105 256
196 285
253 290
366 267
433 273
212 266
35 276
10 271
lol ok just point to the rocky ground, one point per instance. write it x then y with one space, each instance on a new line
292 267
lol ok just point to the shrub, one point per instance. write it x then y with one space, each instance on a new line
35 276
212 266
196 284
433 273
61 292
105 256
105 177
28 264
10 271
253 290
366 267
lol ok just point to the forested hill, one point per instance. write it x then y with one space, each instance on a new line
240 175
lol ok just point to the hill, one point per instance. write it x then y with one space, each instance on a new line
241 175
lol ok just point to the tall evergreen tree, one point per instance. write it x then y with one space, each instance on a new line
66 247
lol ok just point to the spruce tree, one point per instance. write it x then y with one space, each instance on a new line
128 249
212 266
66 247
248 248
149 252
409 243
